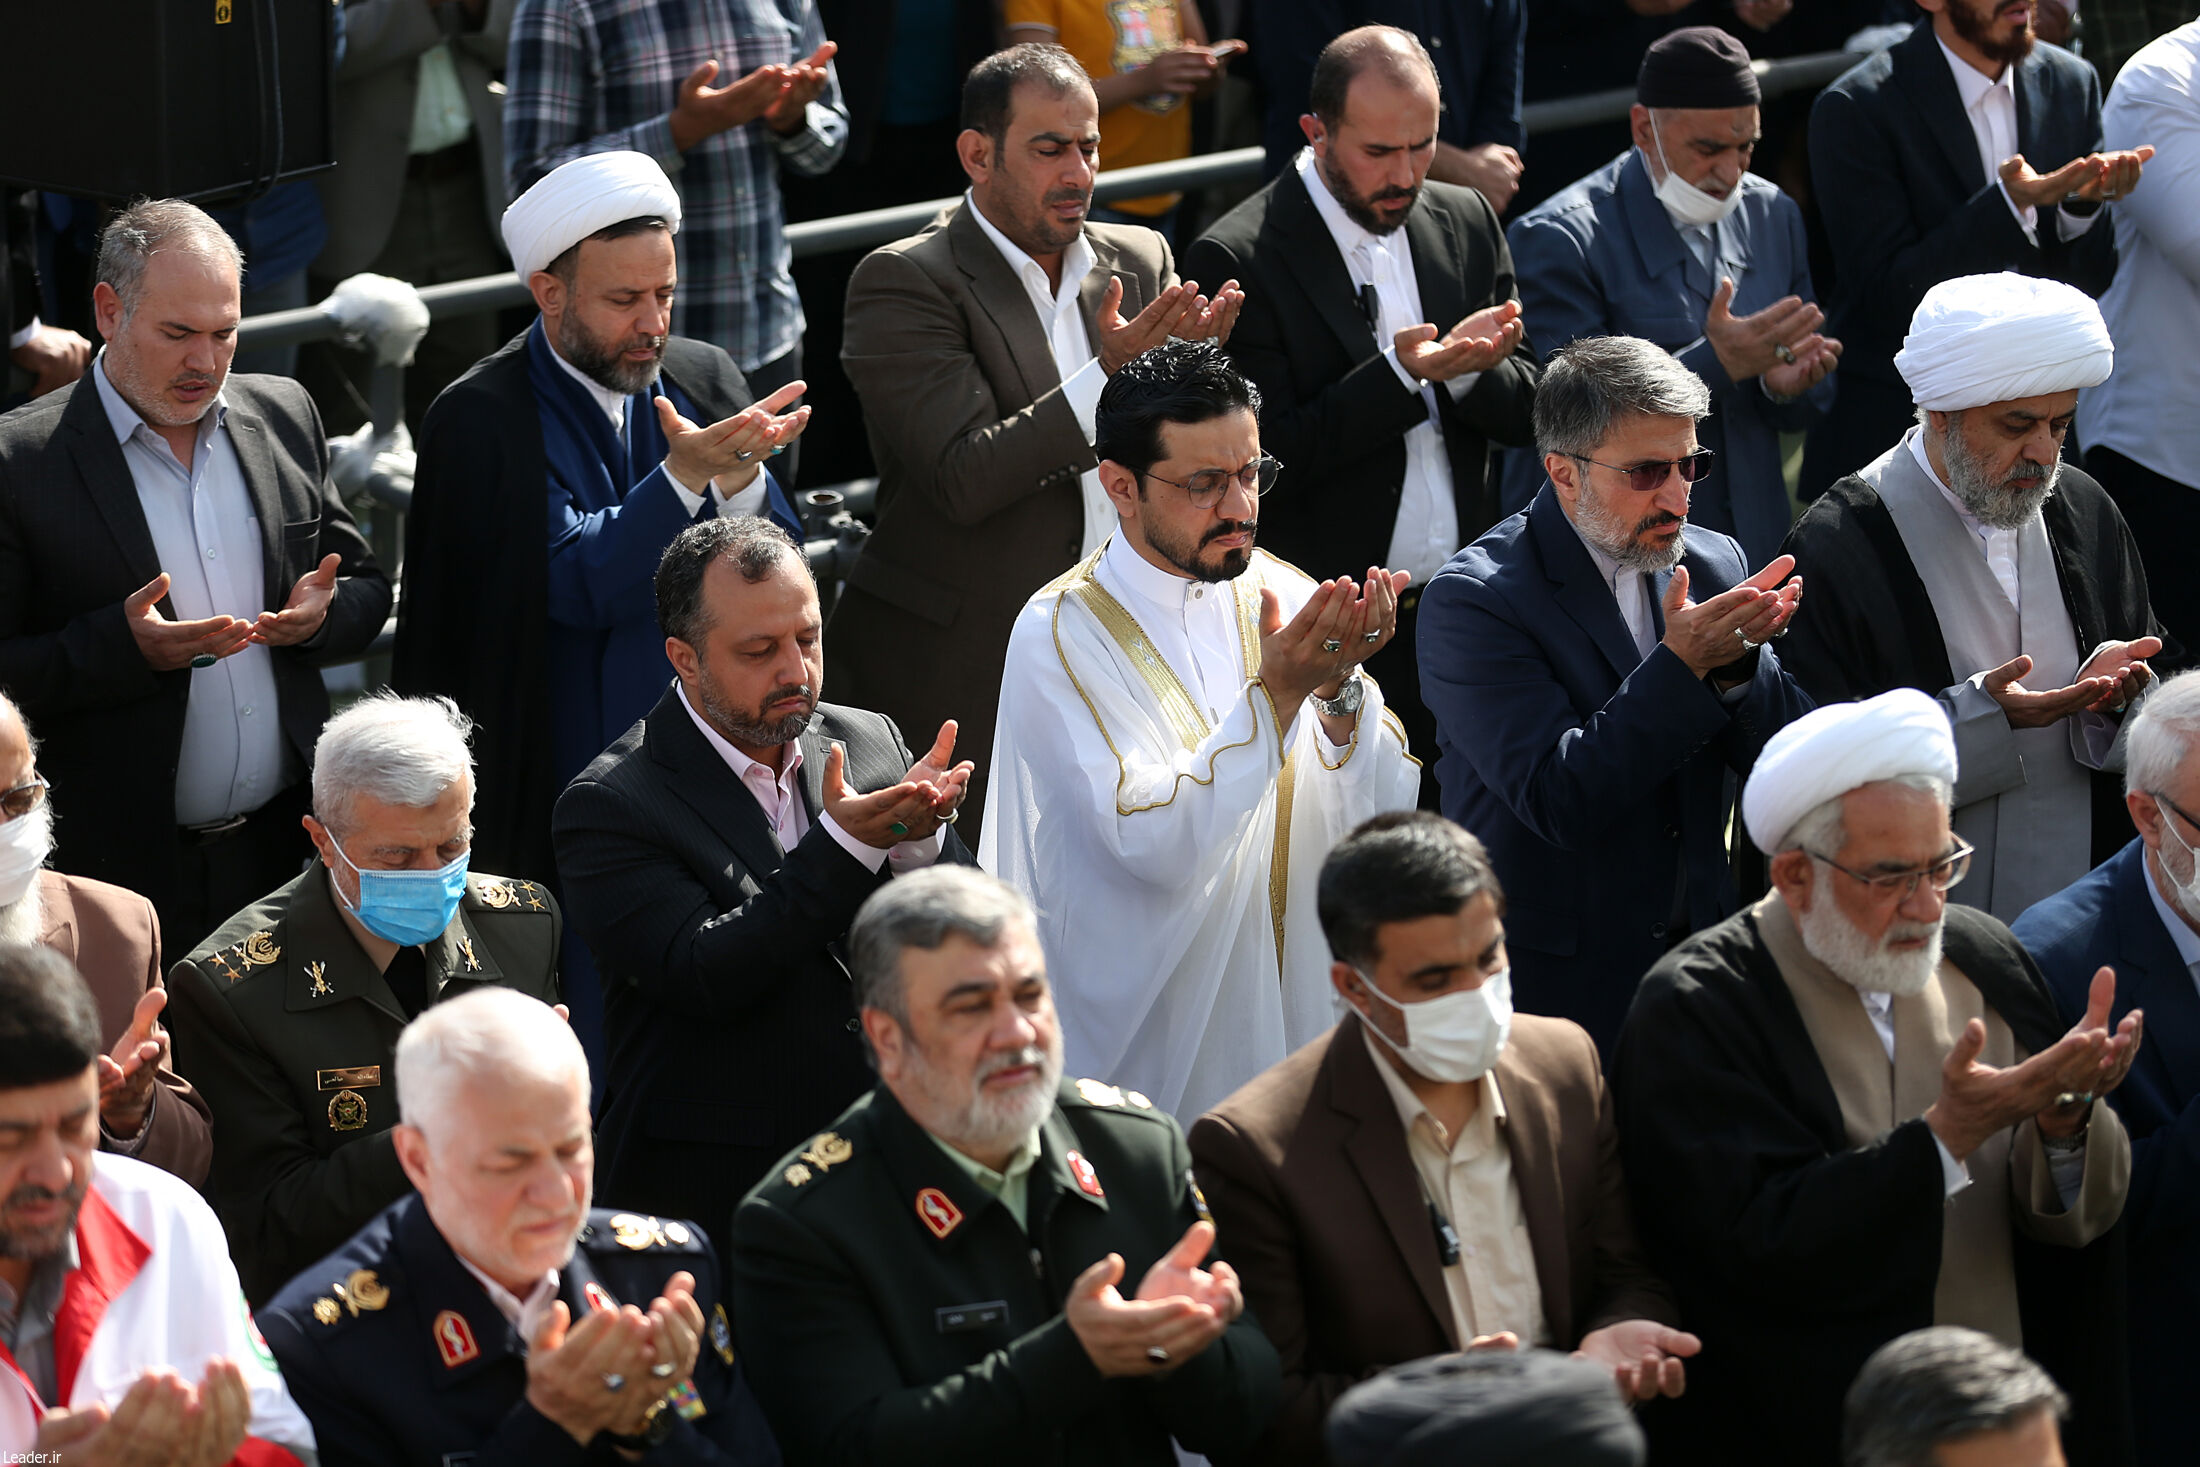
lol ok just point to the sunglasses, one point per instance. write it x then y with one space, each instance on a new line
1643 478
24 798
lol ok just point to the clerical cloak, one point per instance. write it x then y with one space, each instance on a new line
1797 1244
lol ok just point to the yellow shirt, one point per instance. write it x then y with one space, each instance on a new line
1109 37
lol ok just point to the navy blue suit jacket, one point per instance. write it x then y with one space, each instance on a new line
2106 919
1598 778
1603 258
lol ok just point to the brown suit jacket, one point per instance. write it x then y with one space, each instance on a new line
979 456
112 936
1317 1207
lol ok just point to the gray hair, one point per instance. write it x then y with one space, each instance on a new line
9 708
1819 829
1939 1385
923 910
1595 381
492 1033
135 235
2161 734
401 751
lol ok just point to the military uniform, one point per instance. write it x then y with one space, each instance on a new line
398 1357
891 1310
289 1031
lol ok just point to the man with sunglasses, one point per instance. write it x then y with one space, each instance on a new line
1852 1111
1184 733
2138 914
1600 675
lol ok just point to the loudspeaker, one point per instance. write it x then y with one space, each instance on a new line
193 99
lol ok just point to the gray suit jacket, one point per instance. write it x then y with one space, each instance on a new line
375 90
979 457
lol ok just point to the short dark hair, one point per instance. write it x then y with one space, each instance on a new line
754 544
568 261
989 92
1595 382
1398 867
1370 46
1939 1385
49 1026
1175 382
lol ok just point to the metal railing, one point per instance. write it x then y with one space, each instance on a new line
872 227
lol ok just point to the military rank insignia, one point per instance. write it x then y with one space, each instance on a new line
1088 1180
682 1399
318 972
631 1230
1199 1198
347 1111
721 1333
454 1339
1097 1093
937 1212
598 1298
829 1151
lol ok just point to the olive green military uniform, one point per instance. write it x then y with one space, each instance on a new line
890 1309
290 1032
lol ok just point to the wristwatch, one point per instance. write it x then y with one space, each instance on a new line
1348 699
656 1426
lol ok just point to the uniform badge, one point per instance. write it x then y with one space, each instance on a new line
362 1290
261 948
937 1212
318 972
347 1111
466 951
1138 1100
721 1333
678 1235
633 1232
1096 1093
494 894
1088 1180
350 1077
454 1339
1199 1198
829 1151
325 1310
530 897
796 1175
222 966
682 1399
598 1299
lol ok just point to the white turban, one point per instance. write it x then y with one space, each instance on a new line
1981 339
1845 746
574 200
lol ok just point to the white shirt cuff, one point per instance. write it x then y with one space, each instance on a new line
1390 355
23 335
2070 225
1462 384
915 855
871 856
2027 219
2066 1169
1082 391
1954 1175
691 500
749 500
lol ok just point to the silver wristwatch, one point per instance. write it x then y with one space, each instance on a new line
1348 699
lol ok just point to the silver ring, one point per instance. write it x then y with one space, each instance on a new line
743 456
1372 637
1157 1355
613 1381
1743 637
662 1370
2073 1097
952 816
1780 350
1331 644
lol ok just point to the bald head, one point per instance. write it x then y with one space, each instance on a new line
1372 55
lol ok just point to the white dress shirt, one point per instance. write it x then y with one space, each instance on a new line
779 794
523 1315
744 501
1631 589
1062 317
1426 533
1990 105
208 538
2180 931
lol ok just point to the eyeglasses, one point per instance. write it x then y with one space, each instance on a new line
1642 478
24 798
1900 886
1206 488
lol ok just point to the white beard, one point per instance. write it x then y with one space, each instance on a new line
21 921
1864 963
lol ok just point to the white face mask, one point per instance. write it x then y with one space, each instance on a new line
1685 203
2188 890
25 842
1457 1037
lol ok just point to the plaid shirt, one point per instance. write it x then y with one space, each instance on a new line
596 76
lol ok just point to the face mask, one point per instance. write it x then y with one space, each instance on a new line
2188 891
1684 202
24 846
1457 1037
407 907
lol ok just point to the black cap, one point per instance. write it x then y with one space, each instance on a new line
1493 1408
1697 66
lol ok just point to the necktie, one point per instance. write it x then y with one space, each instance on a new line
407 976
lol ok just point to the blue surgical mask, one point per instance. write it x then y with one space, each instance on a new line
407 907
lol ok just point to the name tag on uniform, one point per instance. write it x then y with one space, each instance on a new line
958 1319
358 1077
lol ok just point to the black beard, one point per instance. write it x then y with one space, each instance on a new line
607 366
750 729
1362 211
49 1242
1979 31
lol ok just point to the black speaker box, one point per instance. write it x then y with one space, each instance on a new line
193 99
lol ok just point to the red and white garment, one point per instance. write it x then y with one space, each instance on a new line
153 1287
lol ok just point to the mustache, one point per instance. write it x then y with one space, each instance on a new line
1031 1054
789 690
1659 521
30 1194
1231 527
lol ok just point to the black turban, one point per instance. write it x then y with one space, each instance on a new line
1697 66
1493 1408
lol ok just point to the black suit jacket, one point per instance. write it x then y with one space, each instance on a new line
1907 203
731 1030
74 545
1332 408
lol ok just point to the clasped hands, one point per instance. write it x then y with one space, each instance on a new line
779 94
2096 178
1181 1308
730 453
1780 344
569 1366
161 1421
167 645
1476 344
1342 624
2111 679
929 796
1179 311
1976 1100
1734 622
1647 1359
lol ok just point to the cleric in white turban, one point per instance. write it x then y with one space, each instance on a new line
574 200
1808 1178
1970 562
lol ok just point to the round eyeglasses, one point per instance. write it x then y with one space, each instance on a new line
1206 488
1900 886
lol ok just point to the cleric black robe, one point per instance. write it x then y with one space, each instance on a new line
1795 1255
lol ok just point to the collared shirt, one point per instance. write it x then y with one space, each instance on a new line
1062 318
1493 1286
1990 106
441 119
1192 624
2180 931
779 795
593 76
745 501
212 544
1011 1185
2000 547
1630 589
524 1315
26 1319
1426 532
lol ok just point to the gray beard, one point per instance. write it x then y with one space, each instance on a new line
1603 529
1862 962
2002 506
22 921
607 369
